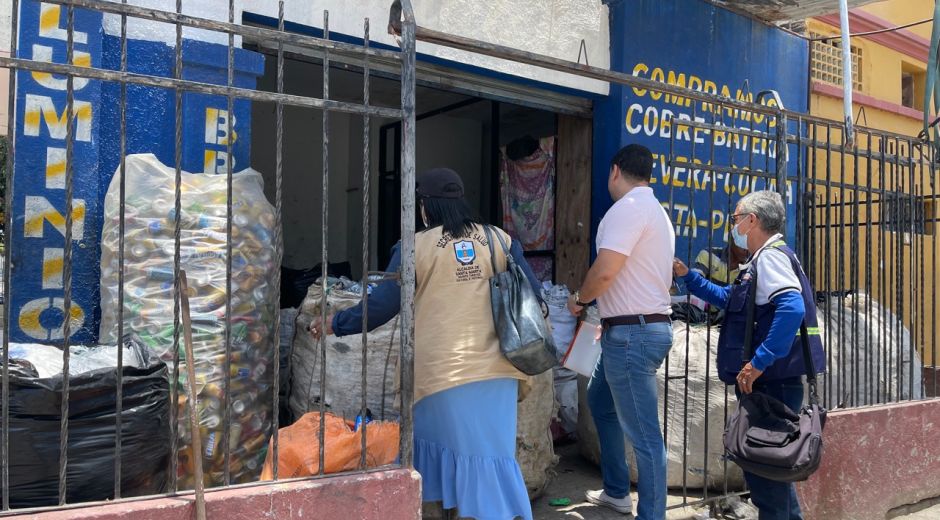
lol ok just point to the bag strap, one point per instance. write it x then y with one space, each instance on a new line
747 352
804 331
489 242
489 238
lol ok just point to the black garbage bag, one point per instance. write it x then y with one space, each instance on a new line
35 411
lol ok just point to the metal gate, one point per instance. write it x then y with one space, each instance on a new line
71 65
874 200
864 231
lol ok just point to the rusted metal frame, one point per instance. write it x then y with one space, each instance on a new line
867 154
278 242
324 249
408 41
197 87
7 258
245 31
192 401
67 260
366 216
119 390
230 215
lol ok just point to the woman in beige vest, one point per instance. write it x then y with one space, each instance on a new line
465 390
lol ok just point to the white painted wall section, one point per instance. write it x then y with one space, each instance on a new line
551 27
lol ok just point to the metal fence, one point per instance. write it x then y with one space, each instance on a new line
864 231
71 71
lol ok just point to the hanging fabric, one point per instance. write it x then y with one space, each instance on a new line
528 196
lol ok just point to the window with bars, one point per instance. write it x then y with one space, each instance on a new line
826 62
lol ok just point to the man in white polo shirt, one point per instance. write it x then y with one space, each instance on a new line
630 280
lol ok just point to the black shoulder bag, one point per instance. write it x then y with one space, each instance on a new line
764 436
524 336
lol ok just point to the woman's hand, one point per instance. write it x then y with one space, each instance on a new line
573 306
678 268
317 328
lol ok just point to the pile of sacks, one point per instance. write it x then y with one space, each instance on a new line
343 395
845 326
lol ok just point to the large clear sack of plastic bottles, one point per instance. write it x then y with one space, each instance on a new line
149 250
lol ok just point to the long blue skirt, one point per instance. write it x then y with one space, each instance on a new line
465 451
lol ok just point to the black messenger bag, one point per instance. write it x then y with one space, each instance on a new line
764 436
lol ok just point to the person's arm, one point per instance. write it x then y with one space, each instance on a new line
515 250
788 315
384 304
708 291
601 275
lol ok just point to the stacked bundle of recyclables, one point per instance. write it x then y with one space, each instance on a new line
149 301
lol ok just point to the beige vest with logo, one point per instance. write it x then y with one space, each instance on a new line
455 339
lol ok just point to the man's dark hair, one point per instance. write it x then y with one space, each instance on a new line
635 162
454 215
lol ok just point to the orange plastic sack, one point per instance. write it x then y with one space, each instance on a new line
299 447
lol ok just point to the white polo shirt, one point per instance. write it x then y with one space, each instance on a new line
775 273
638 227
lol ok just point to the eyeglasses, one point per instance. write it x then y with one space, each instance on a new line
737 218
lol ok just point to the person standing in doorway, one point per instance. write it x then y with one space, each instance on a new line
630 280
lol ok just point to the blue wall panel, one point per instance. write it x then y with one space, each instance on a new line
700 46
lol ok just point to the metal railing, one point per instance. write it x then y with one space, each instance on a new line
180 85
852 205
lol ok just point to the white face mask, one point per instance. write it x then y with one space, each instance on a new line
740 239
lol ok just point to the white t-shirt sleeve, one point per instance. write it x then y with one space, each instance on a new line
622 229
775 275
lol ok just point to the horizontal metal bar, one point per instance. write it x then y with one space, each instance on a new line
895 160
721 169
246 31
195 86
570 67
757 134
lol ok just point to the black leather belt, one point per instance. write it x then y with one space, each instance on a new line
635 320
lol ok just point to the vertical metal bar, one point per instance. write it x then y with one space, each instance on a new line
840 269
692 230
407 231
870 255
366 216
827 266
67 258
883 260
915 238
324 238
932 156
899 287
7 267
119 393
708 324
177 206
813 207
799 192
229 166
853 273
672 211
278 237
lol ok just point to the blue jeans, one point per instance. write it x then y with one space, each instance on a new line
624 400
776 500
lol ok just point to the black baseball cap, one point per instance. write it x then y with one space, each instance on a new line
439 183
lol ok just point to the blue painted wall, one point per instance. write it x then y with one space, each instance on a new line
707 48
37 237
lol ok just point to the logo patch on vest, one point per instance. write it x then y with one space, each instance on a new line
465 252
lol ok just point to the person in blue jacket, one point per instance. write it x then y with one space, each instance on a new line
783 300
